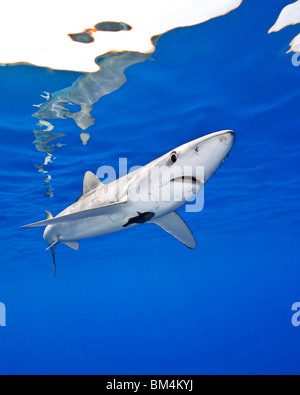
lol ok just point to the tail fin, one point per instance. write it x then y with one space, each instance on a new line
53 257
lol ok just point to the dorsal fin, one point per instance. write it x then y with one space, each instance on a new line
90 182
48 215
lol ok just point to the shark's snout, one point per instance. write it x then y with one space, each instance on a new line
225 139
213 150
228 138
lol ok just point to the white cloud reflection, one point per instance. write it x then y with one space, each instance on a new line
38 33
290 15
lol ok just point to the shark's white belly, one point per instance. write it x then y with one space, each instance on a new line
157 203
165 198
93 227
150 194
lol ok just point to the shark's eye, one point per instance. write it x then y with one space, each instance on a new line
173 157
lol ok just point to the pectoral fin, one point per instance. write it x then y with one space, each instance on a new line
176 226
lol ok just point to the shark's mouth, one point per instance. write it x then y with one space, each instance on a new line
187 179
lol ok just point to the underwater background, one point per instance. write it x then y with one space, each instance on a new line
139 302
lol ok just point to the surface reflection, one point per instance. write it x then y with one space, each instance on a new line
42 139
87 37
77 102
290 15
97 27
88 89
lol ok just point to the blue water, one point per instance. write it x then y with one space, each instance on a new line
139 302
